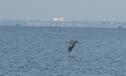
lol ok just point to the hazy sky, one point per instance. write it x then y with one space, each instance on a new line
94 10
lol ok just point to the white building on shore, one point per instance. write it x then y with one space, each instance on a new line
58 19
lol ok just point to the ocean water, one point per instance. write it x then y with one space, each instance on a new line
42 51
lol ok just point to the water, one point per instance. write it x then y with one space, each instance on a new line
42 51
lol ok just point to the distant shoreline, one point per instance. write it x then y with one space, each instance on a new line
38 23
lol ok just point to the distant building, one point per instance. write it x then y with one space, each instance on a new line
58 19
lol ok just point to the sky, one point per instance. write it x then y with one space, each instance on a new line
72 10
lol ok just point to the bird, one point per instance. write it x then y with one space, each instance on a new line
71 45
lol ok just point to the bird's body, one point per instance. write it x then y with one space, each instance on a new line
72 45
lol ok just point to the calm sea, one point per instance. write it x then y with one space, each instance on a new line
42 51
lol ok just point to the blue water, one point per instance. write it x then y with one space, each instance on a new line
42 51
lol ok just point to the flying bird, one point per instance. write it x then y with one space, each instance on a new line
71 44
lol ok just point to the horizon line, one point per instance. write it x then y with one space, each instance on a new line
63 21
